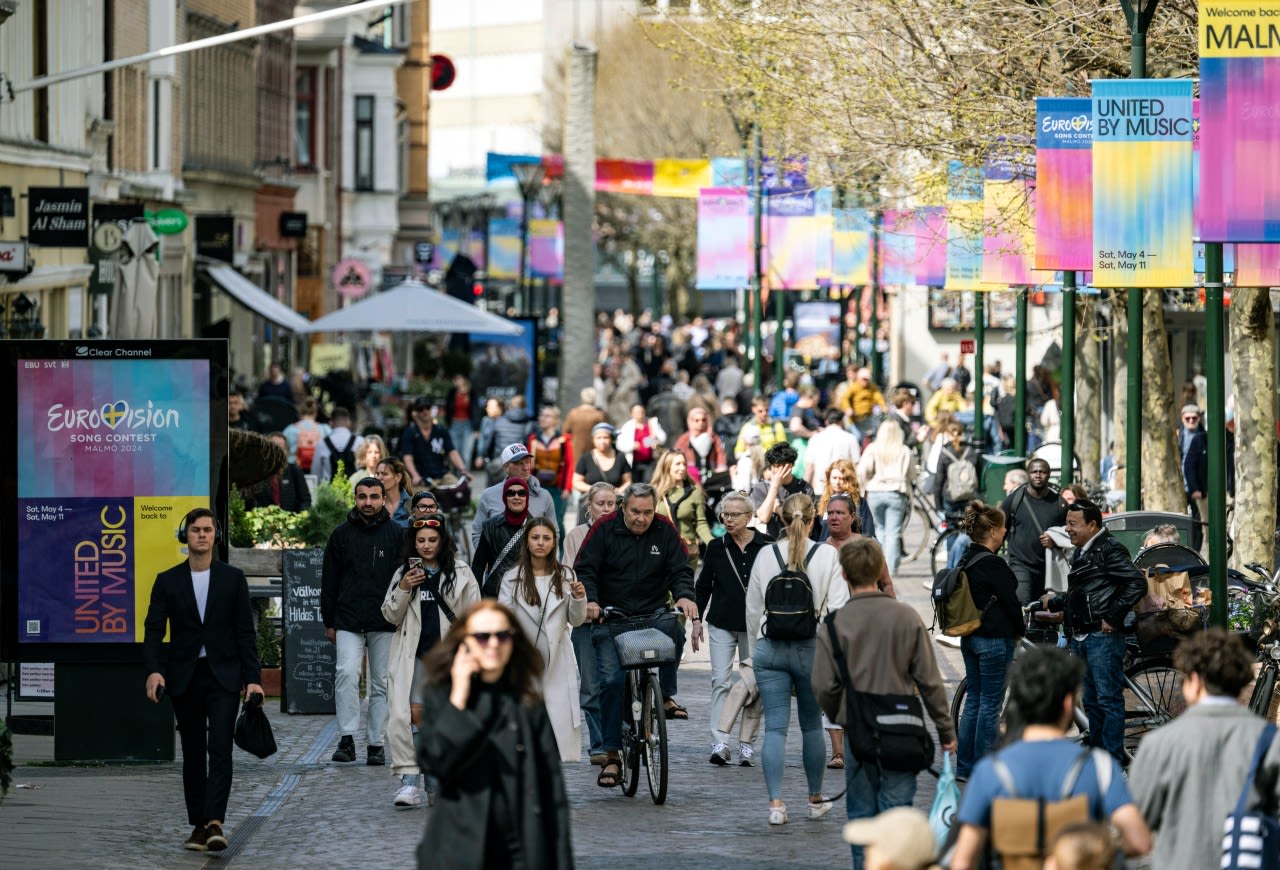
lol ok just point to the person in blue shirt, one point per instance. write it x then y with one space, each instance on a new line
785 399
1038 758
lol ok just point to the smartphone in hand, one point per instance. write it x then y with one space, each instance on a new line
415 562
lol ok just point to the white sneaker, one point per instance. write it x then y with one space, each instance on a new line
408 796
946 640
719 755
818 810
927 584
778 815
745 754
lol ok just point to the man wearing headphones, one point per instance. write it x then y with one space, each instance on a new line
211 656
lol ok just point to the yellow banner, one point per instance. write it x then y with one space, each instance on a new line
329 357
682 178
156 545
1240 28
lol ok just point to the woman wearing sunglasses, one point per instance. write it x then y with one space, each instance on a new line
548 602
427 592
500 537
491 747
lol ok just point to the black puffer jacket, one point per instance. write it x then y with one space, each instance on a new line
495 534
1103 584
359 561
634 572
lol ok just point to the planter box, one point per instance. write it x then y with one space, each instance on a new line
271 682
255 562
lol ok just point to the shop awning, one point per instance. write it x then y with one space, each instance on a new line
256 299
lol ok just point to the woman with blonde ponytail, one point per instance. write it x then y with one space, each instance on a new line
784 664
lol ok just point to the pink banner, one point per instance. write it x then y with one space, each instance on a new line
931 246
724 238
1257 265
1064 183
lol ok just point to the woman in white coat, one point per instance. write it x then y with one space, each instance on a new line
549 601
639 439
426 592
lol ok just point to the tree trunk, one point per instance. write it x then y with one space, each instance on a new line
1088 416
579 192
1162 488
1252 336
1119 365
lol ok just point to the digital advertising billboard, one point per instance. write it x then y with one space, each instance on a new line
114 442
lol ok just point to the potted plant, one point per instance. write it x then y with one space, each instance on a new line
269 653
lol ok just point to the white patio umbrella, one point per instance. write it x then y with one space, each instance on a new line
413 307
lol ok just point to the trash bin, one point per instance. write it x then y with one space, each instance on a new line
994 469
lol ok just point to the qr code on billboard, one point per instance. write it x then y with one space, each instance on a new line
33 626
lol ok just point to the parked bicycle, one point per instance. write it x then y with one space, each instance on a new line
642 647
1152 687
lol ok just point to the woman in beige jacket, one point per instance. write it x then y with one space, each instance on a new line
426 592
886 472
548 602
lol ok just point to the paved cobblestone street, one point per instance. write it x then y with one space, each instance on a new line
298 809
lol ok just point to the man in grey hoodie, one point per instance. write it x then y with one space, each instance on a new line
517 424
516 462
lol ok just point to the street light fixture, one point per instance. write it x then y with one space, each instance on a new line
529 176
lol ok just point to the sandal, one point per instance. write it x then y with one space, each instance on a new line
610 773
674 710
836 763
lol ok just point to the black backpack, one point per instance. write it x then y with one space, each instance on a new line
789 612
346 456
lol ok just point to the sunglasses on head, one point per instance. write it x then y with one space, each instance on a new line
484 638
427 523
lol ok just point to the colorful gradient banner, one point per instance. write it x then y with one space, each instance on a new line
728 172
964 227
824 227
624 176
1142 198
1257 266
1008 245
681 178
504 249
1064 183
1240 121
724 239
546 249
898 248
791 236
851 247
931 246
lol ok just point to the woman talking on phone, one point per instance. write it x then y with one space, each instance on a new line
491 747
427 592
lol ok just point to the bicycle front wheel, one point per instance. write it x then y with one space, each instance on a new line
957 702
629 755
461 534
940 551
1263 688
1152 697
654 739
917 532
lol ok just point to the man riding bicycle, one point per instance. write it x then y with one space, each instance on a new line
632 562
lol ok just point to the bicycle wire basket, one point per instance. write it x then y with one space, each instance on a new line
644 648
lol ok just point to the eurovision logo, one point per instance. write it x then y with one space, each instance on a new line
113 415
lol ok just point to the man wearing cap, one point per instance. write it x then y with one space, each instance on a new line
424 446
516 462
1194 444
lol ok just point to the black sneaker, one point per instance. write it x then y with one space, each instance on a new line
375 757
346 750
215 840
198 841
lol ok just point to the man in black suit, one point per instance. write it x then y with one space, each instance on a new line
212 655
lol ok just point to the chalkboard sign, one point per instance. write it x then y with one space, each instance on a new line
309 658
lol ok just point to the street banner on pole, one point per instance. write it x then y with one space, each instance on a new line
1239 121
546 249
1064 183
624 176
790 234
898 248
1008 245
931 246
1257 265
1142 198
504 249
851 247
823 228
964 227
724 239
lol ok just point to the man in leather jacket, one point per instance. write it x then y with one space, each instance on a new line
1102 588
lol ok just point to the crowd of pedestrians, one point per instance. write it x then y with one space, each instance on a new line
769 527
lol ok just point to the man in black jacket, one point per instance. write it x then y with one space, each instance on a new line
1029 510
632 560
359 560
1102 588
212 654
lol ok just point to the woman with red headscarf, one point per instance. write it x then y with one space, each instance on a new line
500 537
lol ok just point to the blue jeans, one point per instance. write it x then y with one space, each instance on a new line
890 512
1103 689
956 549
612 679
780 666
870 790
986 667
588 684
461 433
